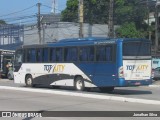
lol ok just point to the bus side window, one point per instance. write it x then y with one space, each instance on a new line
39 55
59 54
83 54
31 56
45 55
91 53
19 57
86 53
71 54
53 54
100 53
109 53
104 53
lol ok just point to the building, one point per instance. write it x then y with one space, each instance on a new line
62 30
11 36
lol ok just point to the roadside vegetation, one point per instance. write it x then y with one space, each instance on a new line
130 15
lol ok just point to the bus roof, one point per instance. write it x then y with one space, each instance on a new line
84 41
99 38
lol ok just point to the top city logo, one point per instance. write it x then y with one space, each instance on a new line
48 67
137 67
56 68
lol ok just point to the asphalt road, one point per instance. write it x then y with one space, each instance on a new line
143 92
29 101
15 100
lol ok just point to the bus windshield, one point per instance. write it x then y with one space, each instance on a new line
18 57
136 49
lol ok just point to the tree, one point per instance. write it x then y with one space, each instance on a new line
129 30
95 11
70 14
130 11
2 22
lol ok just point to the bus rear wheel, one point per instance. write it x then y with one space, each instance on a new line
29 81
79 84
106 89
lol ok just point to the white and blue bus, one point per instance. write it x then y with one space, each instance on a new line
85 63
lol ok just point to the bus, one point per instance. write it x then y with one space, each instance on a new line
6 63
85 63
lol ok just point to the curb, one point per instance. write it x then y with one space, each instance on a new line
154 85
85 95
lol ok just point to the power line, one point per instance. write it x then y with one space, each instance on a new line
24 22
18 11
19 18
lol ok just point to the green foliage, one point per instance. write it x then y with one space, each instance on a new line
2 22
95 11
70 14
128 30
130 12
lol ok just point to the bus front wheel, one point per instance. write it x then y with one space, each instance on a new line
29 81
79 84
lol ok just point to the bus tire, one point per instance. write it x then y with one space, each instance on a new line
106 89
55 87
29 81
79 84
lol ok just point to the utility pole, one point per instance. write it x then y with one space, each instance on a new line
148 12
110 22
53 7
43 30
90 14
81 18
156 26
148 18
149 32
39 23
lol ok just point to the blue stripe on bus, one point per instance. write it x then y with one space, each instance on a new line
100 75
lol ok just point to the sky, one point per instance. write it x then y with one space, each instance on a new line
11 10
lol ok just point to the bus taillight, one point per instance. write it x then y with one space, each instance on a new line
121 72
152 73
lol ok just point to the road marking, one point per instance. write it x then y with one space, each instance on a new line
86 95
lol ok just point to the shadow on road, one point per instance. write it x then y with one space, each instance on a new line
117 91
131 92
